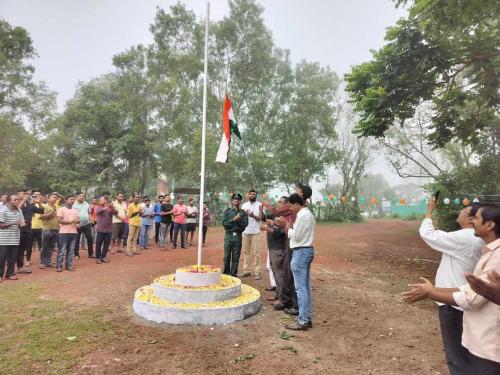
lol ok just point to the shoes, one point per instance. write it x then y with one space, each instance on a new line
98 261
270 289
119 251
136 253
92 256
23 270
13 277
244 274
184 247
296 326
27 264
258 277
69 269
279 306
59 269
309 323
105 260
174 247
291 311
42 266
129 254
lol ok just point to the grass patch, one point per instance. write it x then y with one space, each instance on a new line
48 337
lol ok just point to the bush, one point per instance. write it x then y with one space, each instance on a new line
340 213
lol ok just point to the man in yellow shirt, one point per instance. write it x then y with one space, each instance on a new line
134 225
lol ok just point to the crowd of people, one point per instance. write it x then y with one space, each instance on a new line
65 224
467 288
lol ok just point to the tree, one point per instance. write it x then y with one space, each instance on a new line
354 156
444 52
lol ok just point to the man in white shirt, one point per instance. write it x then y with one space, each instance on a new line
481 333
192 216
460 252
301 237
250 246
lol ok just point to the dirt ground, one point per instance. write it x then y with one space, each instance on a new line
360 324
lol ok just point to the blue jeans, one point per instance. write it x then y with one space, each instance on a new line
66 247
144 236
301 269
164 227
49 242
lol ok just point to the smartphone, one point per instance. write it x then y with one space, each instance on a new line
437 195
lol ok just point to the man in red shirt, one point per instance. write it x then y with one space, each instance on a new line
180 219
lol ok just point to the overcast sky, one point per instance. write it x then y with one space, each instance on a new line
76 39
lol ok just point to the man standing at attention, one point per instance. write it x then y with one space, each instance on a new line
105 212
147 217
134 225
180 219
68 219
301 237
235 221
118 223
191 220
166 222
50 231
251 248
461 251
157 210
11 219
85 226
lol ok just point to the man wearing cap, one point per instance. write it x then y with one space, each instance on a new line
235 221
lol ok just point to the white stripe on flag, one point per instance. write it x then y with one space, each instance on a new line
223 150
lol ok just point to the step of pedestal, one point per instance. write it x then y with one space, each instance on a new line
153 308
165 287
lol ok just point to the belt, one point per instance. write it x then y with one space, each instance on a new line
233 233
301 247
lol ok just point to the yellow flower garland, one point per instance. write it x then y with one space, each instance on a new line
226 282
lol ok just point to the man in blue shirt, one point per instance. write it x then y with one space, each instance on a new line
157 211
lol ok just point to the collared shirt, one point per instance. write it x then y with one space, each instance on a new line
132 209
460 250
52 223
149 212
83 212
481 322
302 233
157 208
192 210
180 209
253 226
166 207
104 219
67 214
11 235
122 211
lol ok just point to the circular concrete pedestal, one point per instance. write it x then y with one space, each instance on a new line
167 301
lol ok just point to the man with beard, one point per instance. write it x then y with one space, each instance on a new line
235 221
250 246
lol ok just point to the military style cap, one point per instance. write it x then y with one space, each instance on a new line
237 196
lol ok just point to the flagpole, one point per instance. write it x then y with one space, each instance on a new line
203 136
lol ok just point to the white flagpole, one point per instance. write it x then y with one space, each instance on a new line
203 136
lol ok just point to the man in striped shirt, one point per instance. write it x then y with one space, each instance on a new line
11 219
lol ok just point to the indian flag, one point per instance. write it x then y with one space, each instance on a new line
229 127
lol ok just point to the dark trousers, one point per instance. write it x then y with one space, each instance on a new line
24 244
7 255
182 228
204 232
288 294
49 242
157 231
125 235
277 260
481 366
232 251
102 245
86 230
36 236
66 249
457 357
171 232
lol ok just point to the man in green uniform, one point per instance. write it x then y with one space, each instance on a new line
235 222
